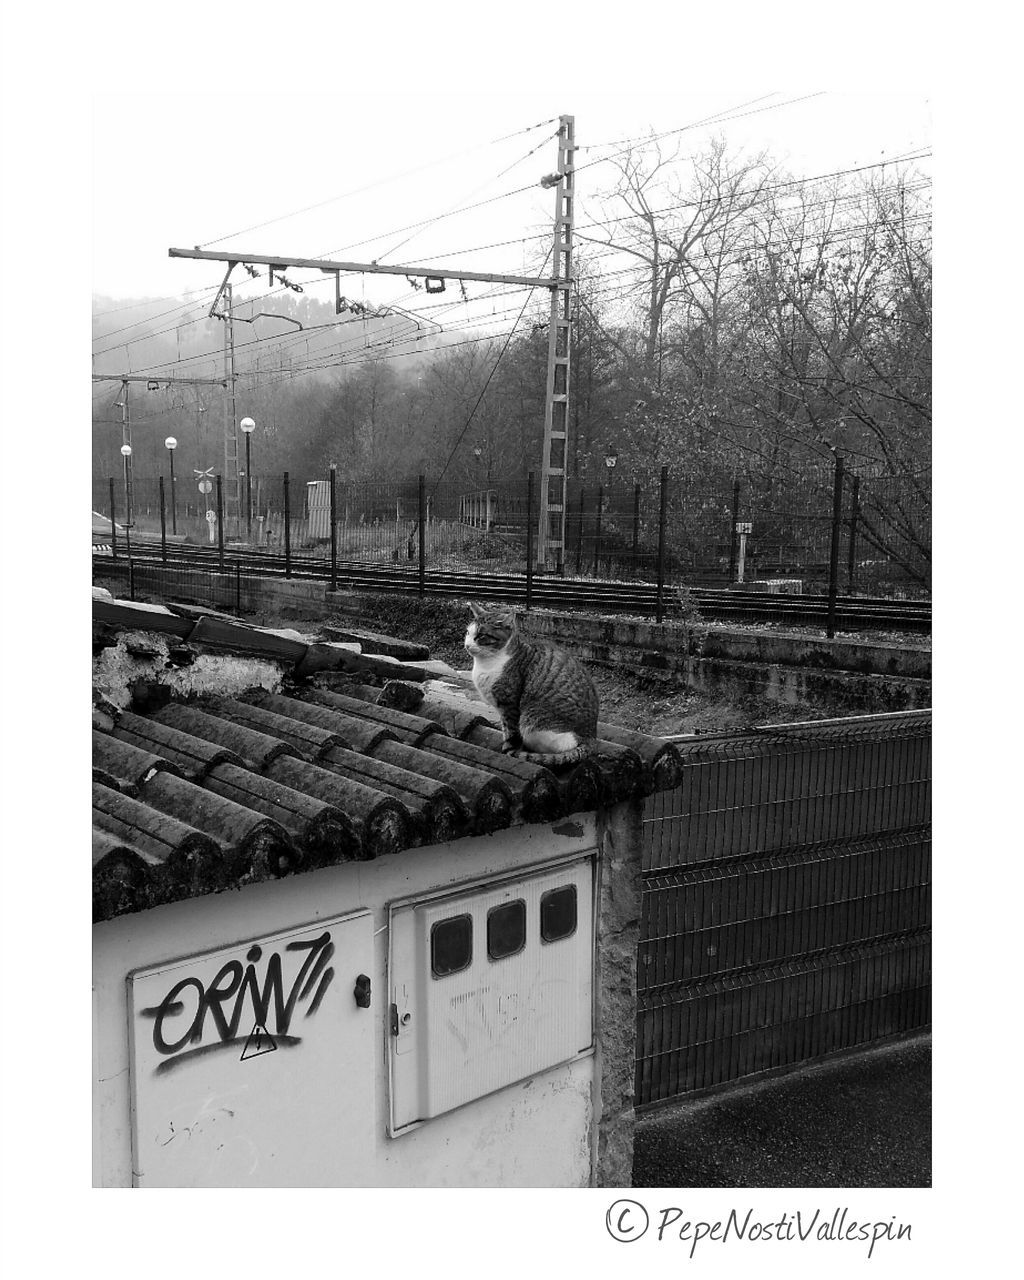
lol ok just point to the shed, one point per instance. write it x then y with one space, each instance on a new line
340 939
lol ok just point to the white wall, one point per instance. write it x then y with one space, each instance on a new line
535 1133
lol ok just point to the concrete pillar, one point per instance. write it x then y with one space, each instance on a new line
618 935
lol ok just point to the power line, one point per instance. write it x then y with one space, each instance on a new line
442 307
612 250
484 391
902 158
720 117
459 208
457 155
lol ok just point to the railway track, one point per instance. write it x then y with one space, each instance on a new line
853 613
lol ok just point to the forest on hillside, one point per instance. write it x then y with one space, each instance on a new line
729 321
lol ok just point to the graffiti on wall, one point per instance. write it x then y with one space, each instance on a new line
251 1005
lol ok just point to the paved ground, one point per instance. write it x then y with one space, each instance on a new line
861 1121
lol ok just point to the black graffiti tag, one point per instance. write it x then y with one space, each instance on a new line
236 989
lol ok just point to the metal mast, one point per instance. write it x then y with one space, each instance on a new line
230 416
551 528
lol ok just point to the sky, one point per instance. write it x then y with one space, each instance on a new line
345 174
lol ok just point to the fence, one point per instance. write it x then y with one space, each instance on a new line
132 577
786 901
827 533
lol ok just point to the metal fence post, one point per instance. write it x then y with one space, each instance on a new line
854 518
238 586
422 502
529 540
579 532
597 531
662 515
334 526
220 523
833 564
163 524
113 523
732 529
636 525
287 530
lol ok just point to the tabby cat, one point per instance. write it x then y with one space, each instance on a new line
546 698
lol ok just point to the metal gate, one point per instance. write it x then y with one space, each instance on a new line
786 900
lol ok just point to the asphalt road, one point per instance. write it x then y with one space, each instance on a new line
860 1121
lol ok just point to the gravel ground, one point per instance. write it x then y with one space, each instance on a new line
860 1121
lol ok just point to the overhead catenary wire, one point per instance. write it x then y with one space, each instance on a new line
406 173
485 386
899 158
281 343
611 251
608 222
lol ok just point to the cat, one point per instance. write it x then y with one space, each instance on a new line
546 698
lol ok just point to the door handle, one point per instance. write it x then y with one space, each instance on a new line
361 991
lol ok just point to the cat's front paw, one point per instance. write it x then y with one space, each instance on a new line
511 745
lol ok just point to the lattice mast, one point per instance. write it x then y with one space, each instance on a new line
555 452
232 479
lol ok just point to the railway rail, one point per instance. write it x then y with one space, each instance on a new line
853 613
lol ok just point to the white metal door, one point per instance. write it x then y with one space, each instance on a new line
458 1035
253 1065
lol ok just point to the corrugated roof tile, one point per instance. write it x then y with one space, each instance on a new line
409 729
220 791
255 748
194 756
379 820
180 855
356 733
256 847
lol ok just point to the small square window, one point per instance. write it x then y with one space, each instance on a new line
506 929
451 945
558 913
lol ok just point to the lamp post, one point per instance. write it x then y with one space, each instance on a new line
126 453
611 457
170 444
248 427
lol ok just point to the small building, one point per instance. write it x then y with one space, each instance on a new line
340 939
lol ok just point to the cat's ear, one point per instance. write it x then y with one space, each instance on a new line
476 610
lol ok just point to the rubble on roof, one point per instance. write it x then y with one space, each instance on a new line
316 765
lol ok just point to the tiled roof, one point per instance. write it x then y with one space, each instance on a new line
222 791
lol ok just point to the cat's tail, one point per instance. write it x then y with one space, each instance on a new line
557 757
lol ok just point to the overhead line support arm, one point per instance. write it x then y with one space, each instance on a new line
369 268
135 377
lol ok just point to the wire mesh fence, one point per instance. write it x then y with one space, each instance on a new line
823 532
786 904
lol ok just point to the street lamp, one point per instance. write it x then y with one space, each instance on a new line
170 444
126 453
248 427
611 456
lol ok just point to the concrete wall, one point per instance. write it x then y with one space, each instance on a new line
547 1131
787 668
224 590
